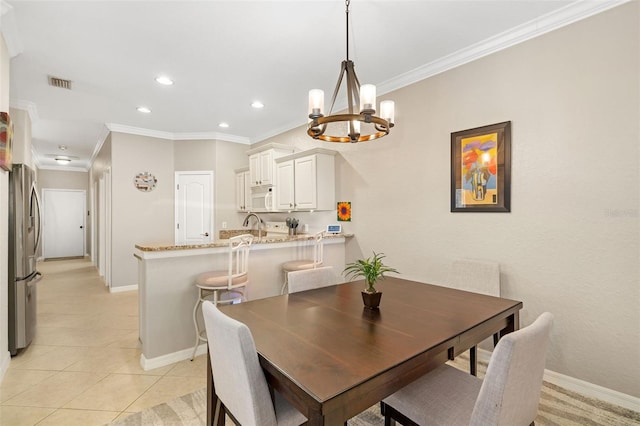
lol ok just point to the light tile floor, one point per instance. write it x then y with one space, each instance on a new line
83 367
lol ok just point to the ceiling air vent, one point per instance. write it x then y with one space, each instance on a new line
59 82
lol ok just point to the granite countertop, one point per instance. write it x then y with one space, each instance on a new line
225 243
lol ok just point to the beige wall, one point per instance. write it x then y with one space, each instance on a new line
229 156
571 242
138 216
101 165
190 156
222 158
5 357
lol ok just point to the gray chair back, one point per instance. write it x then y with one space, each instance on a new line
511 388
478 276
239 381
311 278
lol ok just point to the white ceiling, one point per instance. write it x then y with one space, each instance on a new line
223 55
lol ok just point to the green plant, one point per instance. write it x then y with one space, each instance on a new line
371 269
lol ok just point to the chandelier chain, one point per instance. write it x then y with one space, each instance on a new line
347 3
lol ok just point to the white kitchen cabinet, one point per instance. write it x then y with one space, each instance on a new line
306 181
243 190
285 196
261 163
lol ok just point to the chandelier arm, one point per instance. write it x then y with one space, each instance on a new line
343 69
354 88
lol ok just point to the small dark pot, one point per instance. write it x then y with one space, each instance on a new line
371 300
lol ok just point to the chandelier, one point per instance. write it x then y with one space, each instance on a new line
364 96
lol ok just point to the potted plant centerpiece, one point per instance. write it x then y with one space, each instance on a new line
371 269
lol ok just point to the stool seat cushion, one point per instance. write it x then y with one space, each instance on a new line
219 279
298 265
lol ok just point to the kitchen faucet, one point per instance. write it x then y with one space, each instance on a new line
258 220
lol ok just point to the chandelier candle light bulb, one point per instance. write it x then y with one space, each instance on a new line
367 99
316 102
387 111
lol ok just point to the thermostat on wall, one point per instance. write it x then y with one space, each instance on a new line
334 229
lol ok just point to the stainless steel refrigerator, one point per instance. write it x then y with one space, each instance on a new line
24 239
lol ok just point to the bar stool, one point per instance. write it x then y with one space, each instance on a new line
300 265
224 287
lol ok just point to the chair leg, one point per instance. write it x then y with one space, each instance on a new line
391 415
388 421
195 323
496 338
473 361
286 281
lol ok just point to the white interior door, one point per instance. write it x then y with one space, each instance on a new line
194 207
64 223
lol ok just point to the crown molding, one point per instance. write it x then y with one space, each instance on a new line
64 168
567 15
28 106
114 127
121 128
211 135
9 29
102 137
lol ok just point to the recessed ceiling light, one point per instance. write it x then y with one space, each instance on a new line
165 81
223 125
257 104
143 109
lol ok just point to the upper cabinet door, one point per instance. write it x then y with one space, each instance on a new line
285 186
254 169
306 183
266 167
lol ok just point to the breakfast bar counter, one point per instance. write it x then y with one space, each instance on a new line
167 293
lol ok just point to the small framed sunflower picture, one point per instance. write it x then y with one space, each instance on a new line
344 211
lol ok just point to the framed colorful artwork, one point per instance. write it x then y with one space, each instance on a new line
6 139
344 211
481 169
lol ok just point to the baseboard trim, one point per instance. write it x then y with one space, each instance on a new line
592 390
161 361
580 386
4 365
123 288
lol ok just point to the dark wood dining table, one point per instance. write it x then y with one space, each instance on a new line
332 358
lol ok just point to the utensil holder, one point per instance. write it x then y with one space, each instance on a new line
292 231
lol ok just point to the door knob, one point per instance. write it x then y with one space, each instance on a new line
206 234
81 226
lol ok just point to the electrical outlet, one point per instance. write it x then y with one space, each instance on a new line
224 225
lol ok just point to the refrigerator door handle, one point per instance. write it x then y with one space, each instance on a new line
37 277
34 194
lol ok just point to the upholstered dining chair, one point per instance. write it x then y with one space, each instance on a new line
477 276
240 384
224 286
303 264
508 395
309 279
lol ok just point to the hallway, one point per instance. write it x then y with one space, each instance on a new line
83 366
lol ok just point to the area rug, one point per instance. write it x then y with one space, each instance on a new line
558 407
